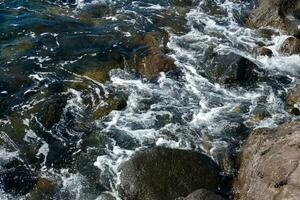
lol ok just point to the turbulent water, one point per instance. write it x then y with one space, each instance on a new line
48 46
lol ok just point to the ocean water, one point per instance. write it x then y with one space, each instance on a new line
51 52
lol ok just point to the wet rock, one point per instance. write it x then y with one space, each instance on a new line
150 54
269 166
182 3
290 46
100 72
162 173
293 100
231 68
203 194
93 181
154 63
262 51
44 189
17 48
281 14
55 88
225 159
111 103
295 111
260 113
51 112
213 8
45 185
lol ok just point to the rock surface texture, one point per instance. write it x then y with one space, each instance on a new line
281 14
269 167
165 174
230 69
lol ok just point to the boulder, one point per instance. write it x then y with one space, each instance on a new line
231 68
281 14
290 46
269 164
165 174
203 194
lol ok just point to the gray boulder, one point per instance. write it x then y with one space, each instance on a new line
165 174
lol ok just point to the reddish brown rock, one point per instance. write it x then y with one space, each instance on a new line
290 46
269 167
154 63
151 58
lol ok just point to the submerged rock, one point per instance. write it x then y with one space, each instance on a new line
269 166
281 14
162 174
290 46
51 112
231 68
44 189
203 194
17 48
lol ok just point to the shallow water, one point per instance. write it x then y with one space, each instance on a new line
47 50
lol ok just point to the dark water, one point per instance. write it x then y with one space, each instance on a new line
63 69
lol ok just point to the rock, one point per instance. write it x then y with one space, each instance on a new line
281 14
260 113
163 173
45 185
51 112
262 51
150 54
293 100
203 194
44 189
231 68
154 63
111 103
293 97
269 166
290 46
182 3
17 48
295 111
